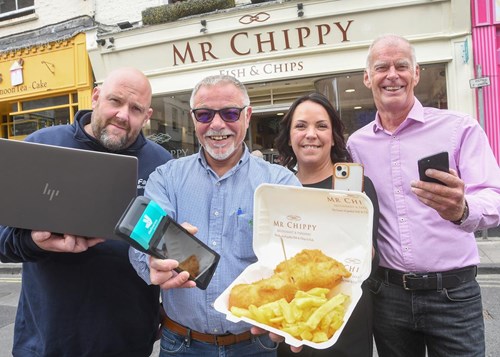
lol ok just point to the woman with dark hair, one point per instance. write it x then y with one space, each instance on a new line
310 142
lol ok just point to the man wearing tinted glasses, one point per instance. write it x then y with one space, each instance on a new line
213 191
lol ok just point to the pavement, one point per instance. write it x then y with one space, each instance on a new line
489 255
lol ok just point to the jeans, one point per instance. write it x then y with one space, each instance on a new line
172 344
448 322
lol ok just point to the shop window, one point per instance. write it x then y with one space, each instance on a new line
10 9
172 127
354 101
31 115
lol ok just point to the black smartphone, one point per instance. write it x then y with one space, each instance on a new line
147 227
437 161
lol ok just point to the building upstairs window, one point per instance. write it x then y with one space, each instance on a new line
10 9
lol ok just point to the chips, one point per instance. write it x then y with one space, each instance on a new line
309 316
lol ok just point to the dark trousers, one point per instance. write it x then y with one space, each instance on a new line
447 322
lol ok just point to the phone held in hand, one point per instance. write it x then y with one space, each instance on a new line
437 161
348 176
148 228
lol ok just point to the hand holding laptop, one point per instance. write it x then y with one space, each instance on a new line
66 243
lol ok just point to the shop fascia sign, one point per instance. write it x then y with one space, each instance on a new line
24 81
246 43
17 81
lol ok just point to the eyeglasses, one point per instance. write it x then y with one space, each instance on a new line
206 115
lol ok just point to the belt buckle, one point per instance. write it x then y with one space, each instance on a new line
404 280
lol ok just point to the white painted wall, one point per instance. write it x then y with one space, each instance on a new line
111 12
47 12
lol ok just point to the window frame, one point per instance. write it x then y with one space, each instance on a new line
27 10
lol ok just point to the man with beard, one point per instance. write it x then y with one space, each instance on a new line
91 303
212 191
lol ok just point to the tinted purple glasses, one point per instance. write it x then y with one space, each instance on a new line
206 115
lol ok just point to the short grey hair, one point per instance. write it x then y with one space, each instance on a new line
220 78
393 40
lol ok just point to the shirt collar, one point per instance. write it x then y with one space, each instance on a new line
416 114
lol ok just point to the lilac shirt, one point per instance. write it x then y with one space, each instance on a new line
412 236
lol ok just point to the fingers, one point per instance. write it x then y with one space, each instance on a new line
94 241
178 281
66 243
162 273
448 200
39 236
254 330
274 337
296 349
190 228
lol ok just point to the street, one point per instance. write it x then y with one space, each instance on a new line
490 287
10 286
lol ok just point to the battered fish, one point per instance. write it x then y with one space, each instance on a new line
313 269
308 269
261 292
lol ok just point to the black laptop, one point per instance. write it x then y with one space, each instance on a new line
64 190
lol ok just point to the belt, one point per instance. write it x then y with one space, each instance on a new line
428 281
220 340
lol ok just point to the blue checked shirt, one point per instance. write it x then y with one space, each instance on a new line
222 210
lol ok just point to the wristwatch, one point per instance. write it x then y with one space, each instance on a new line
464 215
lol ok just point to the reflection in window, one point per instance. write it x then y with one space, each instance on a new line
31 115
28 123
45 102
355 103
171 125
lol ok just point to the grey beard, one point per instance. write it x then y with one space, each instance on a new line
112 143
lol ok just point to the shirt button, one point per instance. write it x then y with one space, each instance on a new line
217 184
216 213
214 243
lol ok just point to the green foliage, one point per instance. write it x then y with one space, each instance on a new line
171 12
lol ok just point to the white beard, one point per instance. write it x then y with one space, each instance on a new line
219 155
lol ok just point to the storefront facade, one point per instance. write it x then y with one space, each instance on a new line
43 85
486 48
282 50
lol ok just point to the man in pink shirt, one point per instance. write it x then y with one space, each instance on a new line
425 292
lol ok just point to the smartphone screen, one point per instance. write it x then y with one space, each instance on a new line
148 228
348 176
437 161
192 254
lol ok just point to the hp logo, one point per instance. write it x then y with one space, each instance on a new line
50 192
